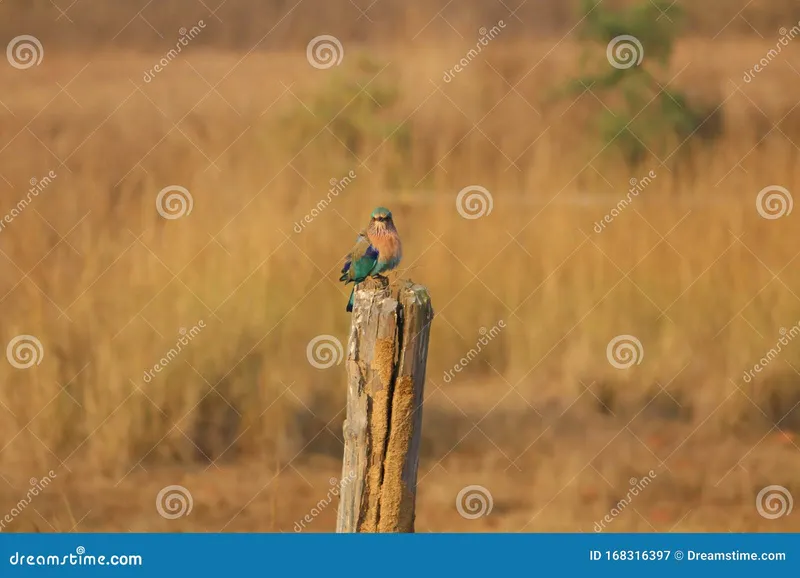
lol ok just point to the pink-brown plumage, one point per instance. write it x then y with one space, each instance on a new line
383 235
388 245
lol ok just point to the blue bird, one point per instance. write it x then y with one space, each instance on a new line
376 251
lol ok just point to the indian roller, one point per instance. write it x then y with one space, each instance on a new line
377 250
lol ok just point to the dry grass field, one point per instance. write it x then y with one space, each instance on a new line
255 135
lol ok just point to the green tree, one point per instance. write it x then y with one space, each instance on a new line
626 65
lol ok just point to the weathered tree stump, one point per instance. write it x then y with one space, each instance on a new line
386 356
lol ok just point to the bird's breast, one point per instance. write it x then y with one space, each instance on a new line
389 248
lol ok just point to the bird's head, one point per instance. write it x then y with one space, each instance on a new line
381 219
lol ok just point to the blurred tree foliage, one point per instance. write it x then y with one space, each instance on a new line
357 107
629 74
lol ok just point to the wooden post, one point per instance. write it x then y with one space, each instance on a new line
386 356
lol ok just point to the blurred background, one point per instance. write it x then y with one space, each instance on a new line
597 195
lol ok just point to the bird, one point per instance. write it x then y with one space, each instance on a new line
359 263
377 250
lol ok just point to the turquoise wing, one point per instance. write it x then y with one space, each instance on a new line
360 262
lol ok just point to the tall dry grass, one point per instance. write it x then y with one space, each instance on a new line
288 24
106 284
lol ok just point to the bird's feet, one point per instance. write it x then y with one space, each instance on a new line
376 281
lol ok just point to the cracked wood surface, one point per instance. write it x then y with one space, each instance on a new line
386 357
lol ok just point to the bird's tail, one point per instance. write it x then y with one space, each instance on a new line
350 301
